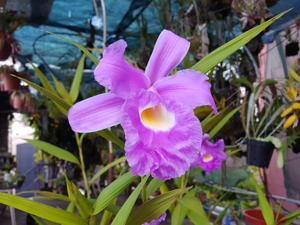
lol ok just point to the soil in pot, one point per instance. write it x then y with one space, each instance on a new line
255 217
259 153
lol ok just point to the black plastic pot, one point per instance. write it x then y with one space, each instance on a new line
296 146
292 49
259 153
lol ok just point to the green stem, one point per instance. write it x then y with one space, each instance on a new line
82 165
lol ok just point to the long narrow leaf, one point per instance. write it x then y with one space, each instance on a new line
289 219
46 212
110 136
124 212
264 205
196 212
84 207
54 150
75 87
62 91
77 45
223 122
178 215
112 191
154 208
106 168
221 53
43 79
153 185
55 98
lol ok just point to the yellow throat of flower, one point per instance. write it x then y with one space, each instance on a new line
157 118
207 157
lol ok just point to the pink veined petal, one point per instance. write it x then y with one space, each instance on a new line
168 52
187 87
115 73
96 113
163 154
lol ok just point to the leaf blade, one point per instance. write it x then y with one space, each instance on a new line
75 87
54 150
123 214
55 215
221 53
154 208
112 191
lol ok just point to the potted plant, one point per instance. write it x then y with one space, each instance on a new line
264 214
9 83
291 113
260 114
21 100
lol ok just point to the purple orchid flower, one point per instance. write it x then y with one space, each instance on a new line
157 221
211 155
163 136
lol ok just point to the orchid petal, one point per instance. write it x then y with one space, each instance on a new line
164 154
187 87
115 73
212 154
96 113
158 220
168 52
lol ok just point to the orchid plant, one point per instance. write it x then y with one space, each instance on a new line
164 138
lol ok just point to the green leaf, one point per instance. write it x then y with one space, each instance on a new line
223 122
289 219
112 191
221 53
295 75
75 87
196 212
153 185
123 214
110 136
178 215
63 105
46 212
54 150
77 45
43 79
154 208
264 205
62 91
220 217
210 122
106 218
37 220
51 196
106 168
84 207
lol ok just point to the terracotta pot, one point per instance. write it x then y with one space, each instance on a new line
17 101
9 82
259 153
255 217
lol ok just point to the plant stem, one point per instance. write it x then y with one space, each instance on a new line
82 165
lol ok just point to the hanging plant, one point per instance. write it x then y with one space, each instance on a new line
260 114
8 82
17 100
8 46
22 101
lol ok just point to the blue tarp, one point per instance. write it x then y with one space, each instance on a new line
71 18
